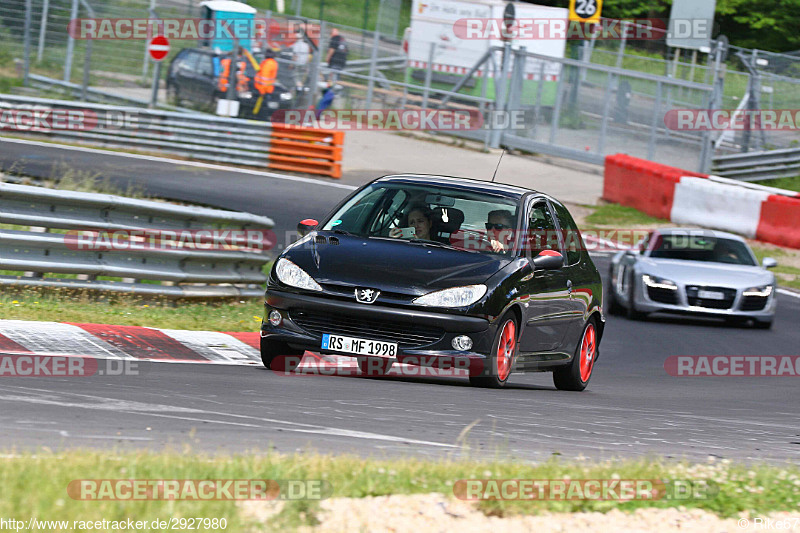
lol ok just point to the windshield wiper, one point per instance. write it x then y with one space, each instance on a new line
434 243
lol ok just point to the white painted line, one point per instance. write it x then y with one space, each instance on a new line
789 293
198 164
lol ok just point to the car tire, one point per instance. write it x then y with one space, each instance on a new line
374 366
630 308
504 353
614 307
576 375
278 356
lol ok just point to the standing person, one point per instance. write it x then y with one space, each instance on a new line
301 53
337 54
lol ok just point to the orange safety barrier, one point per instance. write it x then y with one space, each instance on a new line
780 221
642 184
307 150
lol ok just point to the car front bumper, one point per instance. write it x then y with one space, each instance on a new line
438 353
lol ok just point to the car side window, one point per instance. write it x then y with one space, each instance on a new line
572 235
542 234
189 61
205 66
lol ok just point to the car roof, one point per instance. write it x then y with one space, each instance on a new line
711 232
474 185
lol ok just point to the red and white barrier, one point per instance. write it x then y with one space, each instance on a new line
764 213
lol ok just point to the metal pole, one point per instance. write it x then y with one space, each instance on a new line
73 14
601 144
313 75
556 108
27 39
145 59
156 78
651 144
621 51
87 61
538 109
372 67
716 96
428 76
42 30
500 92
298 7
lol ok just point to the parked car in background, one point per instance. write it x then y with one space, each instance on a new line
192 82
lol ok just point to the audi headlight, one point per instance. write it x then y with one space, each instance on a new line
659 283
455 297
763 291
294 276
285 96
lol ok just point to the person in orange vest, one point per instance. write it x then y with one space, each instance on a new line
267 74
242 81
224 75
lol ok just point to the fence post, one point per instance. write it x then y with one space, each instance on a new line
707 150
557 106
145 62
500 92
376 41
42 30
316 58
27 39
87 61
73 14
601 144
428 76
651 143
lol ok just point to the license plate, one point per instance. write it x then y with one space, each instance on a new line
711 295
340 343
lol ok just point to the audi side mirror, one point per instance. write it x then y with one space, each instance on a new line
769 262
306 226
548 260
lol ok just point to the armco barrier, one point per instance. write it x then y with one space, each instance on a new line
193 135
645 185
763 213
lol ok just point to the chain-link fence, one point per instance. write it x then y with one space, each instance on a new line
597 97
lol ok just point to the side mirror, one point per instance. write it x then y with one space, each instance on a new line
548 260
769 262
306 226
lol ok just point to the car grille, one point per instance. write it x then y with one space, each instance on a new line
694 300
404 334
754 303
664 296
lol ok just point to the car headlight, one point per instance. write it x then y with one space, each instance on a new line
659 283
455 297
762 291
294 276
285 96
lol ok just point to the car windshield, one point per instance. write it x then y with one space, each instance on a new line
430 215
702 248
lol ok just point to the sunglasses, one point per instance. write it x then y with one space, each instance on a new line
498 227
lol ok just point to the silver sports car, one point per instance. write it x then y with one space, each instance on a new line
680 270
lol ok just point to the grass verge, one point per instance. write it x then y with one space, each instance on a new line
127 310
792 184
620 215
36 484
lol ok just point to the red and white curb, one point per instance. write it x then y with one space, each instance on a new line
138 343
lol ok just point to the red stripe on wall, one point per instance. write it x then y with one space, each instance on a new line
7 345
141 342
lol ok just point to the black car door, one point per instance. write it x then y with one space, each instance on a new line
204 79
547 308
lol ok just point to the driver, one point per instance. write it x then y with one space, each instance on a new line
500 230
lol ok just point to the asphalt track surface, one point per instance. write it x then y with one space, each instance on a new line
632 407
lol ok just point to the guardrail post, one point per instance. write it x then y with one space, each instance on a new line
42 30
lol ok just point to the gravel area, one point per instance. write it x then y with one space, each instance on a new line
438 513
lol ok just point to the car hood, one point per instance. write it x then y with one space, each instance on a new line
705 273
391 265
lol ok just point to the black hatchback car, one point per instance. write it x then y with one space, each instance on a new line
439 271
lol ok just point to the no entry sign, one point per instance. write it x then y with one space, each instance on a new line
158 47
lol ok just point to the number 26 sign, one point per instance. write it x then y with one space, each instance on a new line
585 10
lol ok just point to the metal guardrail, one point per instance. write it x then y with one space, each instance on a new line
192 135
755 166
191 271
